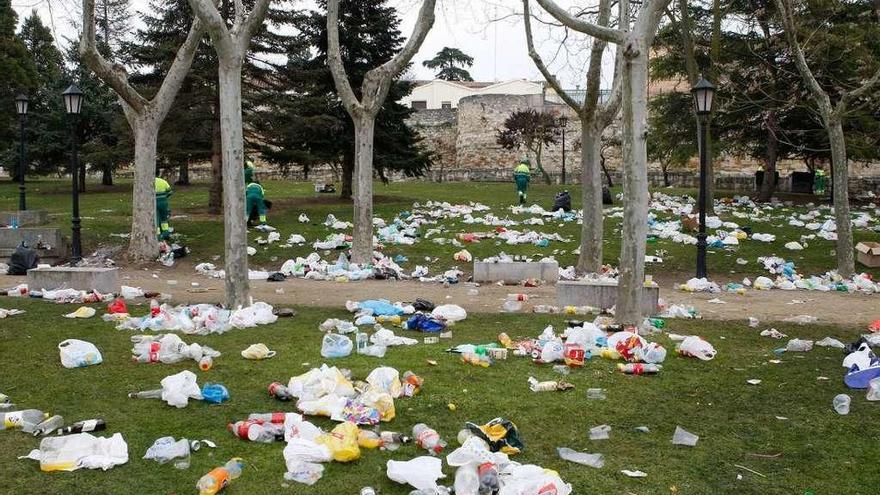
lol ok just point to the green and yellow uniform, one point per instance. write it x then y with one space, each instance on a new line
254 201
163 207
521 176
249 172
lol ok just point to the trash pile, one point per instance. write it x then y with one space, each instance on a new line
199 319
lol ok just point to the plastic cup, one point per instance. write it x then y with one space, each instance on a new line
841 404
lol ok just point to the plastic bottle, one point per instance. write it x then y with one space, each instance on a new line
275 417
25 419
467 480
280 392
84 426
48 426
206 363
639 368
362 341
367 490
392 440
146 394
518 297
217 479
428 439
412 383
489 483
154 308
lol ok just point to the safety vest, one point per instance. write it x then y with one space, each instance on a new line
163 188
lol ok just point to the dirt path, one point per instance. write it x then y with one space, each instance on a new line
836 308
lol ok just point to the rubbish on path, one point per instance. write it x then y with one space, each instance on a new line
218 478
684 437
634 474
801 319
753 322
841 403
82 450
592 460
421 473
601 432
78 353
257 352
82 312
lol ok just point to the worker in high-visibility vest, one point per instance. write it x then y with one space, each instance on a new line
249 171
254 201
521 176
820 182
163 208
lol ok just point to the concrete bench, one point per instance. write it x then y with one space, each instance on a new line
601 295
51 236
23 218
81 278
515 272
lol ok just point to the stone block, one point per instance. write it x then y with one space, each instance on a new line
23 218
80 278
601 295
515 272
34 237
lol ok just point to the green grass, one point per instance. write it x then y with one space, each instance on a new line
107 211
818 450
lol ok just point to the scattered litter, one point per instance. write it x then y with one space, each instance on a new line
82 312
830 342
592 460
601 432
841 403
78 353
634 474
684 437
753 381
82 450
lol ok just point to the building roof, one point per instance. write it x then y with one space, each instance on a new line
470 84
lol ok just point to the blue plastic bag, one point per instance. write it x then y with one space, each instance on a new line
381 307
424 323
215 393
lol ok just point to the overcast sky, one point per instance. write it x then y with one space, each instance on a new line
488 30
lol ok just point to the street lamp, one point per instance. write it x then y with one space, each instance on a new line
73 99
563 122
704 93
21 108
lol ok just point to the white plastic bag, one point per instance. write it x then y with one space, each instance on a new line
422 472
318 382
78 353
166 448
81 450
694 346
385 379
592 460
178 389
449 312
334 345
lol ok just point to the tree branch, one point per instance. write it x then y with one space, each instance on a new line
112 74
603 33
849 96
819 94
542 68
608 112
334 60
254 20
213 22
594 71
179 69
424 23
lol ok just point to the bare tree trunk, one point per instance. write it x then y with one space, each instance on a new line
590 259
665 169
362 243
215 193
768 185
235 230
635 184
143 244
605 170
106 175
183 173
845 263
538 152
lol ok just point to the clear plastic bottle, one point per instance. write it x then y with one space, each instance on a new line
428 439
488 473
84 426
217 479
48 426
206 363
391 440
639 368
467 481
275 417
26 419
154 308
280 392
367 490
146 394
362 341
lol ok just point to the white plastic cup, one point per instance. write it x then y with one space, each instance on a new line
841 404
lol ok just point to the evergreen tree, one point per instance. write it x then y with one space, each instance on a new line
18 76
308 126
111 23
452 63
47 143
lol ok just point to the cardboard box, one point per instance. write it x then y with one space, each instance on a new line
868 254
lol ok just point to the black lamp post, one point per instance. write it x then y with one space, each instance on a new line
563 122
703 93
21 108
73 99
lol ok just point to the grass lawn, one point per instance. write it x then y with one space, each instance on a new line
815 449
107 211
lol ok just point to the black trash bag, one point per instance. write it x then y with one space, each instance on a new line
606 196
179 251
277 277
22 260
562 201
423 305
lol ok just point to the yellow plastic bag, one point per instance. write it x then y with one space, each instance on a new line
380 401
342 442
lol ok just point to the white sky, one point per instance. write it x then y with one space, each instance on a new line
490 31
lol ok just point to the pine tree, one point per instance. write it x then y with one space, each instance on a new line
309 126
112 25
18 76
47 145
452 63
